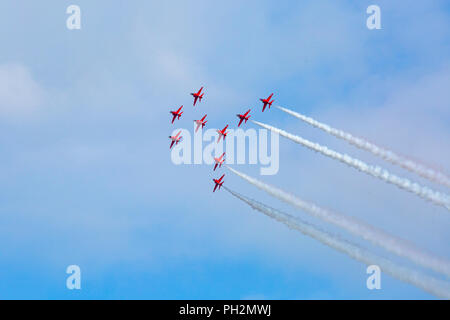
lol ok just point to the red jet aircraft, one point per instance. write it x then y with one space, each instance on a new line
200 122
175 139
222 133
176 114
267 102
198 95
243 117
219 161
218 182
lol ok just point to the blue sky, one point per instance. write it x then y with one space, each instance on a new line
86 176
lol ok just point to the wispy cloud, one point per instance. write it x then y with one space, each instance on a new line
20 94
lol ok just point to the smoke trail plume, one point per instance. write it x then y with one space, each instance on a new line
429 284
376 171
356 227
387 155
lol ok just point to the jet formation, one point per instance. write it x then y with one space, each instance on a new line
218 161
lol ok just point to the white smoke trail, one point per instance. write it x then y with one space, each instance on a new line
356 227
387 155
376 171
429 284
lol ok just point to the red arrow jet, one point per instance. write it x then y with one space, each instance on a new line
222 133
176 114
243 117
267 102
218 182
198 95
200 122
219 161
175 139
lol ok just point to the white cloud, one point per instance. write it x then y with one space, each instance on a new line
19 92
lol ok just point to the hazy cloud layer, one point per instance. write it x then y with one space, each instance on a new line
91 182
